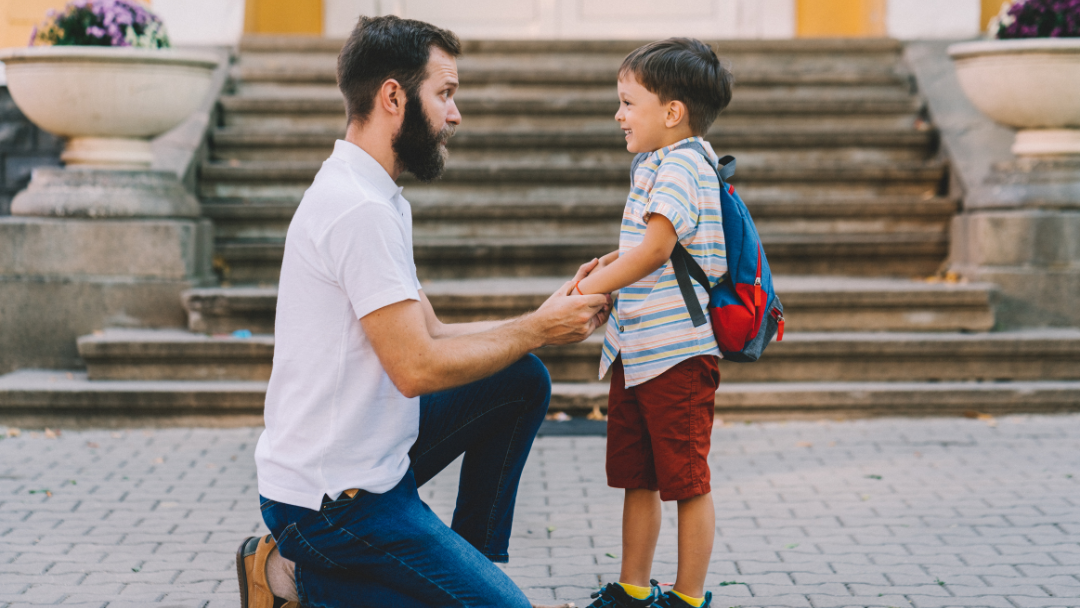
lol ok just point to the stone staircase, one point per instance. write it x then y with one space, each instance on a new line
836 161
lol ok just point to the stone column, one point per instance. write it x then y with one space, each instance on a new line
1021 230
61 278
1020 223
90 249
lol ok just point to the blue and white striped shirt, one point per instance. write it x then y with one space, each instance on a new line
650 325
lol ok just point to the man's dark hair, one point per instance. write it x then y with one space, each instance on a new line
381 48
686 70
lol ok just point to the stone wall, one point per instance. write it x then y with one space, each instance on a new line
22 147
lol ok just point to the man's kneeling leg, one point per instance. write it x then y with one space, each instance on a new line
385 550
493 422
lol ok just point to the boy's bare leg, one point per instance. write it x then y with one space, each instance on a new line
697 528
640 531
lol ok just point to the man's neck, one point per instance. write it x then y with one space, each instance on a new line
371 139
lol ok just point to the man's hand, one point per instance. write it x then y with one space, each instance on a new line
565 319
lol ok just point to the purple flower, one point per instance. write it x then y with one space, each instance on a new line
1041 19
103 23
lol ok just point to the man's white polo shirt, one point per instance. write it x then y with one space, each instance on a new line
334 420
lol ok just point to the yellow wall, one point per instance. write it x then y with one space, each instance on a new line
839 18
990 8
284 17
18 18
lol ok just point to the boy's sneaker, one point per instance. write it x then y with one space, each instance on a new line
670 600
614 596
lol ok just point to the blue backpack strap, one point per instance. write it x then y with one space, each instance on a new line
686 267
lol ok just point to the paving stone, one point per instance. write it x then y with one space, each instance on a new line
794 530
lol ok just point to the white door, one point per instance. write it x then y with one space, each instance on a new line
581 19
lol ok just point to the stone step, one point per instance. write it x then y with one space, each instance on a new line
851 101
167 354
845 400
59 399
801 357
832 47
877 357
817 199
591 211
569 168
823 142
900 254
810 304
67 399
590 68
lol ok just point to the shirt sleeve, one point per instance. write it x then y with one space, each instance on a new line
367 253
674 194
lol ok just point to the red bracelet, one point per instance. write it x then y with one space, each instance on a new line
578 289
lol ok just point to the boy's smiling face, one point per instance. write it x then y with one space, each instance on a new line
648 123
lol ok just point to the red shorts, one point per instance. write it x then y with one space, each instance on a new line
660 431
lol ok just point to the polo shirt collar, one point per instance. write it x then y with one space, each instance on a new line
662 152
367 167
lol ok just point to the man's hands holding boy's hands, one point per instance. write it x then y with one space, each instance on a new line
566 318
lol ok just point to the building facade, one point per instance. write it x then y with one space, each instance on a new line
223 21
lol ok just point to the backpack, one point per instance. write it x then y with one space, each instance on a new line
745 311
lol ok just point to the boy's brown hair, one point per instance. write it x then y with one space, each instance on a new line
686 70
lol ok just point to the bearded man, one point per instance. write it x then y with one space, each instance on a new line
371 395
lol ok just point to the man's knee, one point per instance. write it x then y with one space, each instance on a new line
534 376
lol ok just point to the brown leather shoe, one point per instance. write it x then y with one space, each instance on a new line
251 572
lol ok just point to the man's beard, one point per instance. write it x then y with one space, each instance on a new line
420 149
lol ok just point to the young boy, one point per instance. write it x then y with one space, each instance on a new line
664 370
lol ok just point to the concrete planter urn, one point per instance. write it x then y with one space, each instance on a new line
1030 84
109 102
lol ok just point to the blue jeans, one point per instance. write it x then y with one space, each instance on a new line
390 549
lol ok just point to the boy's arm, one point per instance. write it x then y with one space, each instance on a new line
653 251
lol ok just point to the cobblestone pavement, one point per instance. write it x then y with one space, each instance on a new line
894 512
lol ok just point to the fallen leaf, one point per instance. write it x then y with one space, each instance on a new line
791 546
612 555
551 529
729 583
159 461
136 569
939 582
51 434
865 497
12 432
92 444
873 476
804 444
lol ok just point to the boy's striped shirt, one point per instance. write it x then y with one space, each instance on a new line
650 325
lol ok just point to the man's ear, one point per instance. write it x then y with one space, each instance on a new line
676 114
392 97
